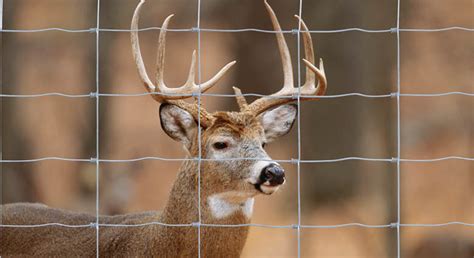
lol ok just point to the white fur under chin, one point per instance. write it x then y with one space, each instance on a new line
269 189
223 205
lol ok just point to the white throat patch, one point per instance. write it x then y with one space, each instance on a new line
223 205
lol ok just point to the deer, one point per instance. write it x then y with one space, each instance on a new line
234 169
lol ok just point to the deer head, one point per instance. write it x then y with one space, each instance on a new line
229 135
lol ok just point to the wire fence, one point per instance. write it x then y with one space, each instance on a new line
97 94
196 29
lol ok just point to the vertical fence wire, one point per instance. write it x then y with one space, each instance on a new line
398 132
1 14
1 108
298 164
198 25
97 116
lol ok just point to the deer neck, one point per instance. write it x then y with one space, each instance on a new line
217 206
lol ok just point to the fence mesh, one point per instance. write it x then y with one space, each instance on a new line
97 160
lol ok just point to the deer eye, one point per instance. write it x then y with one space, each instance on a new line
220 145
264 144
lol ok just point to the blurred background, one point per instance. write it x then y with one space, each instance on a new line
331 193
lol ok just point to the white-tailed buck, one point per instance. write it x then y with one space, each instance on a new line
228 185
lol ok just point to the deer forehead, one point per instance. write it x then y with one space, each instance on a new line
236 131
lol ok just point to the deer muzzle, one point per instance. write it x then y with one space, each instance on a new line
271 177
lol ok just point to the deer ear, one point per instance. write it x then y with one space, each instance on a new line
178 124
278 122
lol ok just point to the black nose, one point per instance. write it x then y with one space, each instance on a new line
274 174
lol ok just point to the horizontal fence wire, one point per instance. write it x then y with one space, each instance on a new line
258 225
292 31
343 95
94 160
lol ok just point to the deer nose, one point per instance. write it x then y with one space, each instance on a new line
273 174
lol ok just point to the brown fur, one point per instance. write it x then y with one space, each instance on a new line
151 240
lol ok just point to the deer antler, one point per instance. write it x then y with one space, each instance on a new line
312 72
172 95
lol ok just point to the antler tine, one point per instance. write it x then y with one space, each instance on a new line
137 55
312 72
308 52
190 87
160 54
284 52
320 74
241 101
211 82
